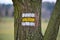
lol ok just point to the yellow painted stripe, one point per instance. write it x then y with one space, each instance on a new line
28 19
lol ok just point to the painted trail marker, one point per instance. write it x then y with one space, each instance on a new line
28 23
28 15
28 19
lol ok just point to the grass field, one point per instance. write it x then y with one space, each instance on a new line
7 28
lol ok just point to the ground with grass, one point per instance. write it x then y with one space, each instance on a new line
7 28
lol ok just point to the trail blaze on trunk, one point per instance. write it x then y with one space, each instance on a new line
30 32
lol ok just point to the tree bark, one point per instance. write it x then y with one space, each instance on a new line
27 6
53 26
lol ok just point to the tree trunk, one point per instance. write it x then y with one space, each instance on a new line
53 26
27 6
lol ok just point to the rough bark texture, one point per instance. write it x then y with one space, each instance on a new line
34 33
27 33
53 26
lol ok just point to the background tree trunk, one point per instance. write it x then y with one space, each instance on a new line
53 26
27 6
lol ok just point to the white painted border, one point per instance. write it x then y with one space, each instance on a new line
28 15
28 24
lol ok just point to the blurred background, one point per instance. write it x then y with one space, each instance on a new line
7 18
